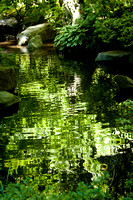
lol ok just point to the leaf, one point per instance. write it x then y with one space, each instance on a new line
61 48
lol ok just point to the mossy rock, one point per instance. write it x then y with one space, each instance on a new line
8 80
7 99
123 81
45 31
115 57
35 43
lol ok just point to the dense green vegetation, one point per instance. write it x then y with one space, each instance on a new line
102 24
31 12
98 189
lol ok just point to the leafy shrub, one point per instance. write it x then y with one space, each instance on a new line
116 29
129 186
32 12
98 189
78 34
70 36
99 23
41 13
53 15
26 190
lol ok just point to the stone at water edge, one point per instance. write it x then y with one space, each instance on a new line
8 80
123 81
120 57
45 31
35 43
125 87
7 99
8 27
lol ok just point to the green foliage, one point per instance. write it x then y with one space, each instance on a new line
53 15
27 189
78 34
116 29
98 189
100 21
70 36
129 193
29 12
125 120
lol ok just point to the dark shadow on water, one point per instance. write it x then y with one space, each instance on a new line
120 167
9 111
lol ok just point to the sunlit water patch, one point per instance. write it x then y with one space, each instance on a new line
55 136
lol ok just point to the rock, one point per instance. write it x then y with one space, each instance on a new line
8 27
125 87
8 103
7 99
123 81
115 57
11 22
35 43
10 37
8 80
44 30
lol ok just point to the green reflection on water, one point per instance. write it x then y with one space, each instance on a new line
57 133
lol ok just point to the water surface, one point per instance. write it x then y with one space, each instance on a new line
66 123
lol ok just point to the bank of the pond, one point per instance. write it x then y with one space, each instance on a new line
13 47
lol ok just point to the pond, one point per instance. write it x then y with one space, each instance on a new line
68 126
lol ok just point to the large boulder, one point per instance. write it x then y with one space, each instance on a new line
8 27
8 80
8 103
35 43
115 57
125 87
7 99
45 31
123 81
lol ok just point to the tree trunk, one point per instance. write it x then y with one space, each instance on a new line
71 9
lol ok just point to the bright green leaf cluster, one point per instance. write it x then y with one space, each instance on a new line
70 36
